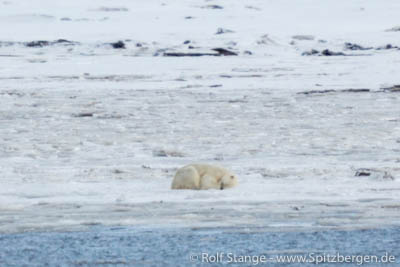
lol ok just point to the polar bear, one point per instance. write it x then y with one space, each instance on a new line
203 176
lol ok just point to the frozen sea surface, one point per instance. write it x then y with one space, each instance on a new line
92 135
131 246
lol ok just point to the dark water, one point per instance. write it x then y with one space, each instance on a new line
132 246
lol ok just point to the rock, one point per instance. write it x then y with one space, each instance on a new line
328 52
167 153
355 90
180 54
253 8
113 9
231 43
36 60
118 45
351 46
362 173
362 90
265 40
303 37
222 31
84 114
64 42
224 52
374 174
394 29
221 52
310 53
387 47
159 153
42 43
37 43
6 43
213 7
316 92
392 89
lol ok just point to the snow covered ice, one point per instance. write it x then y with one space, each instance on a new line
92 134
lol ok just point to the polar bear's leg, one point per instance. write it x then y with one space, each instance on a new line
186 178
209 182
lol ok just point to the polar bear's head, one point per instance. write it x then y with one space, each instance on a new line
228 180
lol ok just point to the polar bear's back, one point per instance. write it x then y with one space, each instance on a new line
186 177
213 170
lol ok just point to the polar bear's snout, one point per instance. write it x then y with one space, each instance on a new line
228 180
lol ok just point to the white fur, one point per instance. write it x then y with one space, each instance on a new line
203 176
